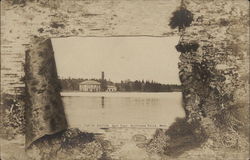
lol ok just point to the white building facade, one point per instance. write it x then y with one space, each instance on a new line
111 88
90 86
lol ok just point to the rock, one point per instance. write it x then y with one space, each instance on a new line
69 144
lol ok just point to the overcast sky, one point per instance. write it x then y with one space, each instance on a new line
121 58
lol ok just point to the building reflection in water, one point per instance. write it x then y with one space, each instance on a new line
102 101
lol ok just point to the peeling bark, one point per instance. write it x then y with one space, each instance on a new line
44 110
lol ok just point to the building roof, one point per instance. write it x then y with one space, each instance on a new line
111 86
90 82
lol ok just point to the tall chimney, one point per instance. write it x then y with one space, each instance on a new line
103 83
102 76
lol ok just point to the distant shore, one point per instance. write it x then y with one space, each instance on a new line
118 94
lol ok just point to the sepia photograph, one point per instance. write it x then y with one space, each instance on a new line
119 80
124 80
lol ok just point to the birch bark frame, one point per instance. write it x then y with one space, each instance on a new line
224 44
44 110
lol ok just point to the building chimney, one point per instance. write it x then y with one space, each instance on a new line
103 85
102 76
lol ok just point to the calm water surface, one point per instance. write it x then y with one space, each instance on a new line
84 108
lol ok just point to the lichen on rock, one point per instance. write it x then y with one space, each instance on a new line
70 144
12 116
211 72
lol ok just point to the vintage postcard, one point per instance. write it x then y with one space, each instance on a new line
124 80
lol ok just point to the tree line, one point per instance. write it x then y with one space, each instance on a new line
146 86
72 84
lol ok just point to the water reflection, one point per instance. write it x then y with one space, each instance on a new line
102 101
123 108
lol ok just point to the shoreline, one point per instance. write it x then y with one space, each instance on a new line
120 94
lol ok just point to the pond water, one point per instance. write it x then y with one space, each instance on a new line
122 108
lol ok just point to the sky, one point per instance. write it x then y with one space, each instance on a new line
121 58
